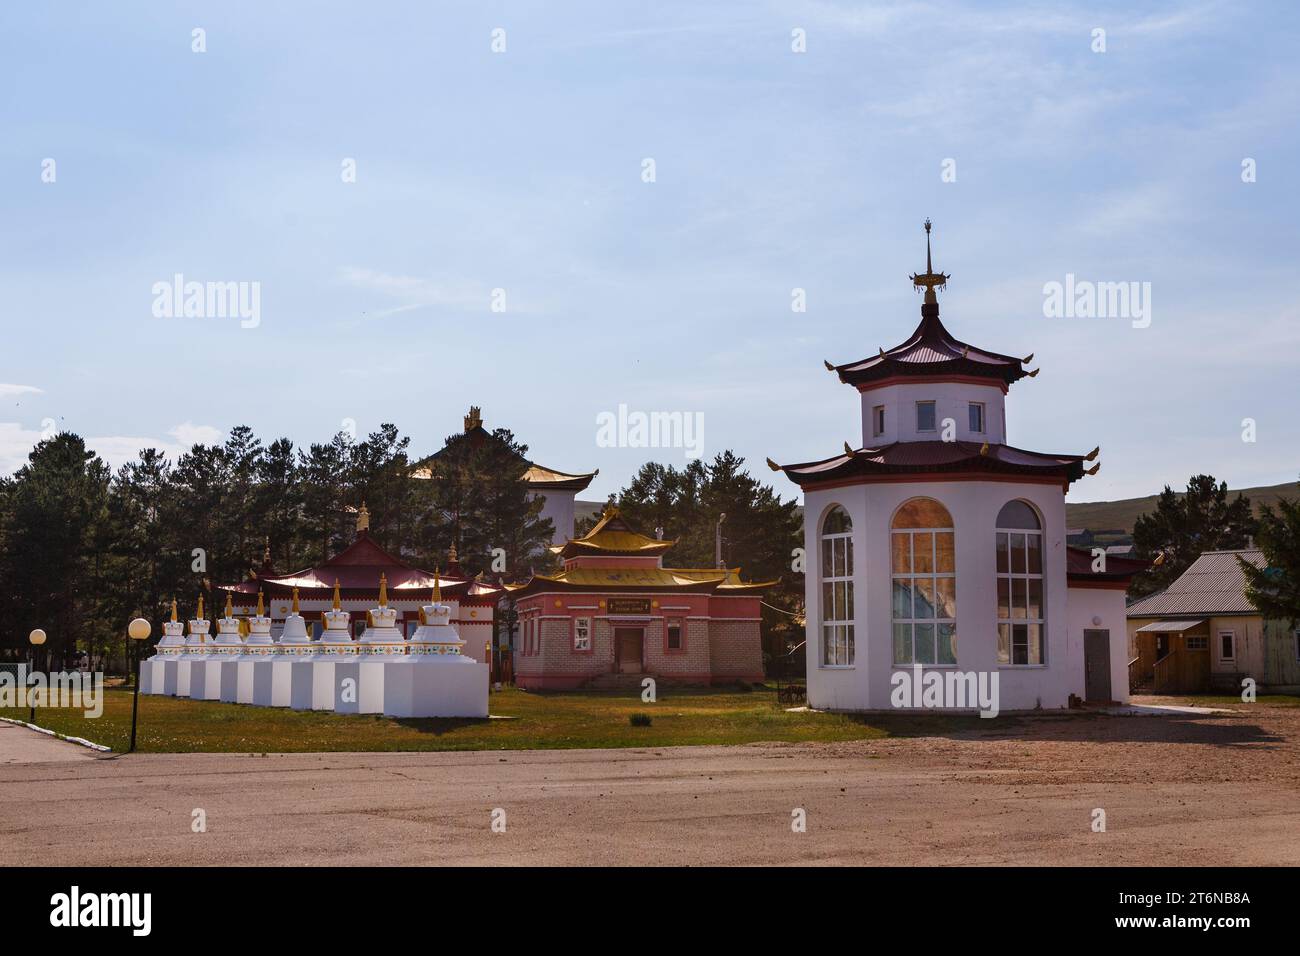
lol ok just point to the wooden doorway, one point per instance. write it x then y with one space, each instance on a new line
629 650
1096 666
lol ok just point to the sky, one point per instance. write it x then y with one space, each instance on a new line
388 181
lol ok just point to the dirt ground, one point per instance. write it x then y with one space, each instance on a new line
1176 790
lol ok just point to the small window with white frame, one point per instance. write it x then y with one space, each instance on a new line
673 641
977 417
1227 645
878 421
925 416
1198 642
582 633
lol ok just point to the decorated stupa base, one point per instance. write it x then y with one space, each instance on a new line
438 680
291 666
158 673
335 647
195 650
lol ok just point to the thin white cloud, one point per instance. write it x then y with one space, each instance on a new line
187 434
9 389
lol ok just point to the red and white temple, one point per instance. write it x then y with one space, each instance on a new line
614 612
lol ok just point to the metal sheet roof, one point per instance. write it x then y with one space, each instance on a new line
1213 584
1165 627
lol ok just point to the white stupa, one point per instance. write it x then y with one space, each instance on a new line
335 661
218 668
253 666
291 667
438 680
195 652
158 673
380 651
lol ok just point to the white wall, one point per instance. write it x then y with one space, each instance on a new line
1105 604
558 506
951 401
974 506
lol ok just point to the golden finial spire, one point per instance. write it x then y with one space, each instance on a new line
230 611
261 608
199 615
173 610
451 553
336 594
437 589
295 600
383 589
363 518
929 280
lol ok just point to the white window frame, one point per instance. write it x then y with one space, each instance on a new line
934 576
582 634
935 407
1232 634
1011 576
837 643
1198 646
983 429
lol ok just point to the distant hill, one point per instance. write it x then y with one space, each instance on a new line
1098 515
1094 515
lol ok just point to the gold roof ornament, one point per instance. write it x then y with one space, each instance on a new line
1027 359
1034 373
451 554
829 366
929 280
1092 454
363 518
174 618
474 419
261 608
437 589
383 589
1093 470
773 465
848 450
336 594
984 449
295 600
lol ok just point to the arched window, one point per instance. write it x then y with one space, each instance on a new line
1021 615
924 570
837 588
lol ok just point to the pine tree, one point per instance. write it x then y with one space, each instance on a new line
1275 588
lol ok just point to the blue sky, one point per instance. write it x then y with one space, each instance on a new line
774 170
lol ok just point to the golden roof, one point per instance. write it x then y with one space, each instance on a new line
612 534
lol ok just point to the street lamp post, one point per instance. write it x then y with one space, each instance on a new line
138 630
36 638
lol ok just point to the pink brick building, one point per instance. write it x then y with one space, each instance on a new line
614 609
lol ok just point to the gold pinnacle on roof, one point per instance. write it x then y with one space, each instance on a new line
363 518
230 611
929 280
261 608
437 589
383 589
474 419
295 600
199 616
173 610
451 553
336 594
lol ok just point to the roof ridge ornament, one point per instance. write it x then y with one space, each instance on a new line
363 517
929 280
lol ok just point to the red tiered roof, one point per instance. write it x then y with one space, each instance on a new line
931 350
938 458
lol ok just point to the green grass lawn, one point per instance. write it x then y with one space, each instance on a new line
544 721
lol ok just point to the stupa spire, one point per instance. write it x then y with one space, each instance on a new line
230 611
261 608
174 618
336 594
199 615
437 589
929 280
383 589
295 600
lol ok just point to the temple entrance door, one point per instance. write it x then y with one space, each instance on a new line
628 650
